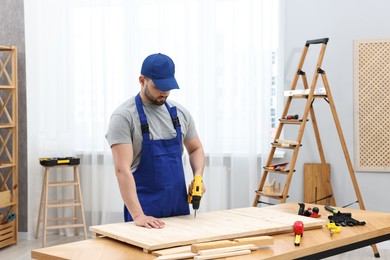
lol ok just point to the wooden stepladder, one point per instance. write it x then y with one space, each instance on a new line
310 94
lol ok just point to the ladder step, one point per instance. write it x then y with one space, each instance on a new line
51 202
63 183
61 219
277 171
284 146
291 121
65 226
64 205
306 95
277 196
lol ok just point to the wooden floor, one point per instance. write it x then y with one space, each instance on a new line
23 250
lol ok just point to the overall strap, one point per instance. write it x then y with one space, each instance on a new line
175 119
142 117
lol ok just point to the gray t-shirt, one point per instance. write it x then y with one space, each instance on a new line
125 126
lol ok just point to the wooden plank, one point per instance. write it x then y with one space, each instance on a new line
220 255
227 249
195 248
258 241
208 226
317 183
176 256
171 251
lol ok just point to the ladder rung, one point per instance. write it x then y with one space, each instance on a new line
290 146
50 202
64 205
63 183
61 219
277 171
291 121
278 196
306 95
65 226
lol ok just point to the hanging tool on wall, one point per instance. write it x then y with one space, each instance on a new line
343 219
195 195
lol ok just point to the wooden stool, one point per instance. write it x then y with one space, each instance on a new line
76 202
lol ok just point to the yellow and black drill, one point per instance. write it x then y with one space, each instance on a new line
195 195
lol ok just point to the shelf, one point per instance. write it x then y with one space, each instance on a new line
7 125
278 145
277 196
5 87
7 48
277 171
6 165
9 140
7 205
291 121
306 96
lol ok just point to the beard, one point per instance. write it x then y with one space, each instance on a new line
160 100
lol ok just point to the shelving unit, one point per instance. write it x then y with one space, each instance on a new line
8 146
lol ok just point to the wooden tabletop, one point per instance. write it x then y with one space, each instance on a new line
317 242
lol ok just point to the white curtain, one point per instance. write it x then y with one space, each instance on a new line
84 59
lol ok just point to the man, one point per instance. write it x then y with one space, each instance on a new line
146 136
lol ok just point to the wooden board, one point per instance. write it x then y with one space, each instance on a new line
317 185
208 226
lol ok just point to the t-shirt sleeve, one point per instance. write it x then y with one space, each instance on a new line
191 129
119 130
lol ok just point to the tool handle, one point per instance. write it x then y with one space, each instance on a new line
301 208
317 41
329 208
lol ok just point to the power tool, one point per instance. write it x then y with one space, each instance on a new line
195 195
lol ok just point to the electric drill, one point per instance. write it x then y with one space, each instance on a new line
195 195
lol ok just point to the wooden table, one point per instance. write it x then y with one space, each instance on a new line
314 244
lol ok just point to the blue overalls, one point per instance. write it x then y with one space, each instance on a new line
159 176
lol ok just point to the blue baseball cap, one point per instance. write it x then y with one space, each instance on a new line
161 69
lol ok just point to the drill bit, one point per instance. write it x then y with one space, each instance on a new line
195 214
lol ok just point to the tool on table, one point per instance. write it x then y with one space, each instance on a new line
343 219
298 231
195 195
309 212
333 228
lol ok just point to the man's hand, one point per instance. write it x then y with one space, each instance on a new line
191 185
148 222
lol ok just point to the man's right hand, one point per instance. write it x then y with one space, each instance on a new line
148 222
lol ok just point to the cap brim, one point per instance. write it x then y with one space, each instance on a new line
166 84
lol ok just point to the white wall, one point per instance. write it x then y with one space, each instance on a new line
343 22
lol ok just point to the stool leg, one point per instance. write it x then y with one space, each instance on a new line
40 205
45 208
75 189
81 201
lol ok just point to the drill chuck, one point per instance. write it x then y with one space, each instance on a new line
196 202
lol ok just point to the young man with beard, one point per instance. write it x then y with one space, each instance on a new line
146 135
